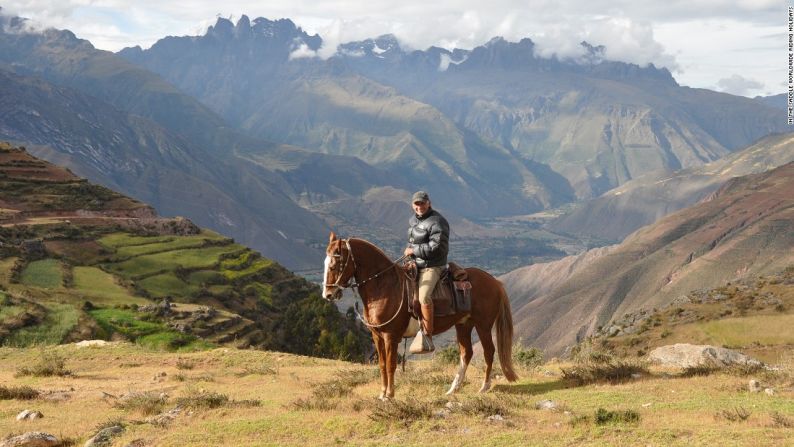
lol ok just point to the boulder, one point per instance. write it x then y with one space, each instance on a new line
104 436
546 405
29 415
31 439
684 355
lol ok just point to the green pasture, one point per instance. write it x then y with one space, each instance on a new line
255 267
117 240
126 240
101 287
150 334
124 322
167 284
199 258
45 273
10 311
60 320
200 277
175 243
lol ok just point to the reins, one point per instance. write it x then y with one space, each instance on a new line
357 284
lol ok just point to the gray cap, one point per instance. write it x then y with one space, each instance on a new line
420 196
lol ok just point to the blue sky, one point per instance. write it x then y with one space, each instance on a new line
733 46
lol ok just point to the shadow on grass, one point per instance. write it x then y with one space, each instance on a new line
532 388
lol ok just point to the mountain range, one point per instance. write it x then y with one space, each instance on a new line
246 131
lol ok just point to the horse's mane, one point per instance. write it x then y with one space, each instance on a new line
373 246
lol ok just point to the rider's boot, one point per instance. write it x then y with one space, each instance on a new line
423 343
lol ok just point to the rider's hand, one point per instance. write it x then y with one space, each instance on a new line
408 251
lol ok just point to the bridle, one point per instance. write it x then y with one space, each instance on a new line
342 271
357 284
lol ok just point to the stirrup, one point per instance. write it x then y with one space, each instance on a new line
422 344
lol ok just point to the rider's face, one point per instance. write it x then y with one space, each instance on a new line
420 208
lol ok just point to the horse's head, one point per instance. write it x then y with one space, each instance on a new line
339 268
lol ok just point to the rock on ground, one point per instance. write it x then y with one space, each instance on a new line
684 355
104 436
29 415
31 439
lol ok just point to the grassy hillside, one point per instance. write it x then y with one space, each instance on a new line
752 315
233 397
100 265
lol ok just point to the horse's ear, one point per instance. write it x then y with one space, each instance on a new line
332 237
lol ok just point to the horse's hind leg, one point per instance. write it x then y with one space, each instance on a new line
488 350
466 352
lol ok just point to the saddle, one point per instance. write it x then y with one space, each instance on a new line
452 294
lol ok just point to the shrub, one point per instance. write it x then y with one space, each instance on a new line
19 393
147 403
342 384
734 414
484 406
313 404
406 412
615 371
185 364
603 417
528 358
202 400
449 355
50 364
704 369
780 420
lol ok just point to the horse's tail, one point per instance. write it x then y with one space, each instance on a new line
504 336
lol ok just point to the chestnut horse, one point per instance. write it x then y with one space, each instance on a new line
384 289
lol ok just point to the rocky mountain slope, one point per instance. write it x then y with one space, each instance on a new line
744 229
646 199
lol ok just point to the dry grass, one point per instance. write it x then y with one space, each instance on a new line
325 402
146 403
779 420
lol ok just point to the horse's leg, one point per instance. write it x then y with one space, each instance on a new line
381 349
392 345
487 351
466 352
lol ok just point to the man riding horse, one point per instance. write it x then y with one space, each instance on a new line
428 242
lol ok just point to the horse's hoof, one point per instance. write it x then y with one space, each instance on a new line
485 387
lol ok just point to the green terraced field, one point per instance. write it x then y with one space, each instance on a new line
45 274
167 284
61 319
117 240
199 258
101 287
150 334
256 266
205 277
10 311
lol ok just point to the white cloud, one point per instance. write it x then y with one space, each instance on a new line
738 85
302 51
664 33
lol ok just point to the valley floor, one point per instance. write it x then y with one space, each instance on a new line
246 397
